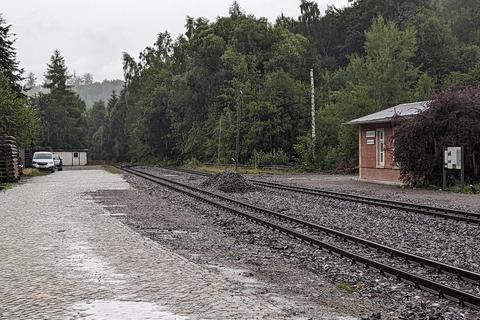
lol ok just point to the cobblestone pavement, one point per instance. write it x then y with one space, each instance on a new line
62 256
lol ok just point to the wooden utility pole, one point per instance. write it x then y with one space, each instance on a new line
237 142
314 135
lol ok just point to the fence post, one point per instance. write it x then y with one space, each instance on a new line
462 171
444 165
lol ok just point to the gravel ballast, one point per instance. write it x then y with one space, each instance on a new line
452 242
258 245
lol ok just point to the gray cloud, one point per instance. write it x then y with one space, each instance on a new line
92 34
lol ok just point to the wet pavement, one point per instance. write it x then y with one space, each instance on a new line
63 256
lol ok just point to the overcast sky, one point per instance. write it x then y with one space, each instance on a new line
92 34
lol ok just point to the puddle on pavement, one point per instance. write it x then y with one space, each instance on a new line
122 310
113 214
93 267
237 275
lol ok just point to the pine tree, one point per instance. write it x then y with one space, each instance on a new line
30 81
235 10
57 76
112 102
62 112
9 65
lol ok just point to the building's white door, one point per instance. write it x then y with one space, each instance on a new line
381 148
76 158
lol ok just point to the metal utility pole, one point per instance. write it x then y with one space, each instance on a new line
237 142
314 135
219 140
444 173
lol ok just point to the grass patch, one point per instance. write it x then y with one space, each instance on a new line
35 173
242 170
112 169
469 188
342 285
5 186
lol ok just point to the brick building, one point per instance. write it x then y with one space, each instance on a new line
375 142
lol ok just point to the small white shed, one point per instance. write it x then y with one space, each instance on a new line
73 158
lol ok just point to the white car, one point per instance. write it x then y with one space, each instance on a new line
43 161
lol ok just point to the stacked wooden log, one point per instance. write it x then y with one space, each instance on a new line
9 159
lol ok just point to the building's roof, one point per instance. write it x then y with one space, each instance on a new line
70 150
402 110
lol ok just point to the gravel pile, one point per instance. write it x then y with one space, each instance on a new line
229 182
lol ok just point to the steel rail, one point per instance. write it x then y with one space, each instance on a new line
446 213
463 273
448 292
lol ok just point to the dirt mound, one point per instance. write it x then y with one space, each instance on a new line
229 182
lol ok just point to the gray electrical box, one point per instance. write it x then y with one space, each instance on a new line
453 158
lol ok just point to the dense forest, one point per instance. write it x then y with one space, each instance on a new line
90 91
183 98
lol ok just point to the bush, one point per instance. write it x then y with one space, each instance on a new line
452 119
304 149
330 158
192 163
277 157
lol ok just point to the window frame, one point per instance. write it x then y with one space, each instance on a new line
380 148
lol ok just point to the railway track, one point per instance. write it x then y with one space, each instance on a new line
445 213
450 282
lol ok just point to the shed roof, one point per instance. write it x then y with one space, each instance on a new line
70 150
402 110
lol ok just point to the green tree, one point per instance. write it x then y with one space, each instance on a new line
115 131
437 47
96 120
464 17
280 114
386 74
383 77
62 113
9 65
57 73
16 117
96 116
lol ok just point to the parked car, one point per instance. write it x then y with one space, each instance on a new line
58 162
43 161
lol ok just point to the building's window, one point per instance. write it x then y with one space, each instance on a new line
75 154
380 148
